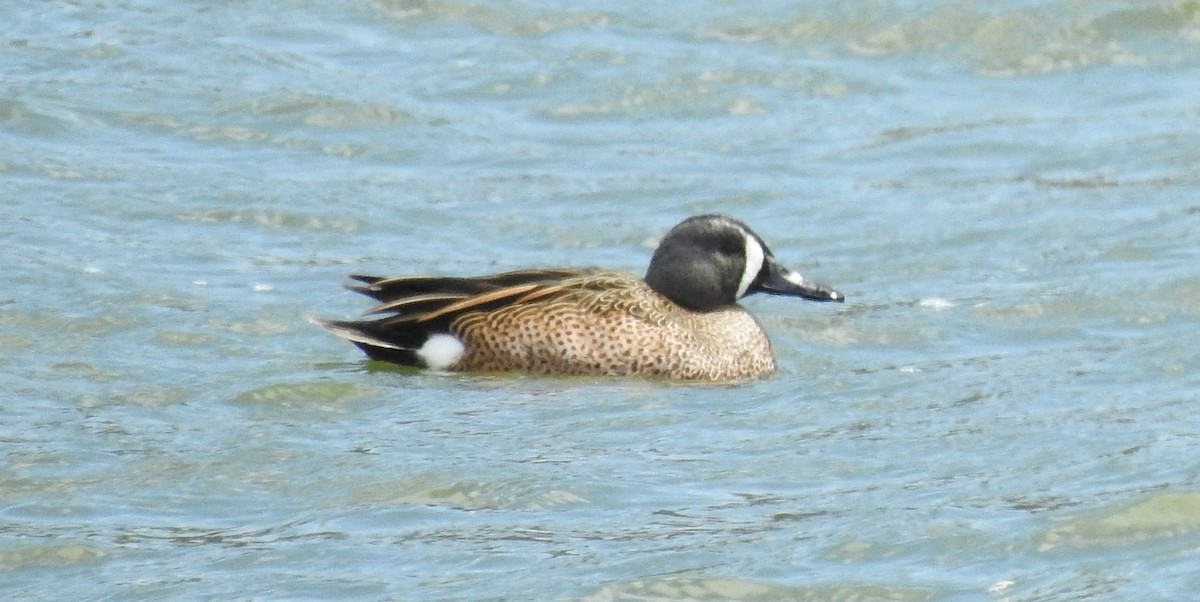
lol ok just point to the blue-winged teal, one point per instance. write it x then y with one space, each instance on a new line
681 321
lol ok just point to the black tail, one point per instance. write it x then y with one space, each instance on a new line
379 341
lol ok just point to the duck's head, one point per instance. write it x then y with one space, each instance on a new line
710 261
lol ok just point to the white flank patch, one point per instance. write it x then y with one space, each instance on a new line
935 303
441 351
754 264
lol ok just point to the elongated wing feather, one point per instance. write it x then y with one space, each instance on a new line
479 302
391 289
417 304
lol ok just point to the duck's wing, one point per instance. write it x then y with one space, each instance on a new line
387 290
421 307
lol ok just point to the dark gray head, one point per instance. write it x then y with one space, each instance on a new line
711 261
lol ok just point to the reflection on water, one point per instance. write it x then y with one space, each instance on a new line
1162 516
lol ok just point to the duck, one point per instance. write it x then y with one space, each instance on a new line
681 321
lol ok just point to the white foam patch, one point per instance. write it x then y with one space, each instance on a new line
936 303
754 264
441 351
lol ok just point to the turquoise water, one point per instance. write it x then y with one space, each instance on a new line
1007 192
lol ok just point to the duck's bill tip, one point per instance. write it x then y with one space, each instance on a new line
821 294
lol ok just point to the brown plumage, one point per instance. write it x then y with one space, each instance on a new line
590 322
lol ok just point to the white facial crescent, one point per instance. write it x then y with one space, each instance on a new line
754 264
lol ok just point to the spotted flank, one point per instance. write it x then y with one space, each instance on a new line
681 321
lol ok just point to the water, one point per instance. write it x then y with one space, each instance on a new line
1003 410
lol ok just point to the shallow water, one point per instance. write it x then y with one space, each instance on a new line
1007 193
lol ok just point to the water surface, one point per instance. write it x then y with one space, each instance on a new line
1007 193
